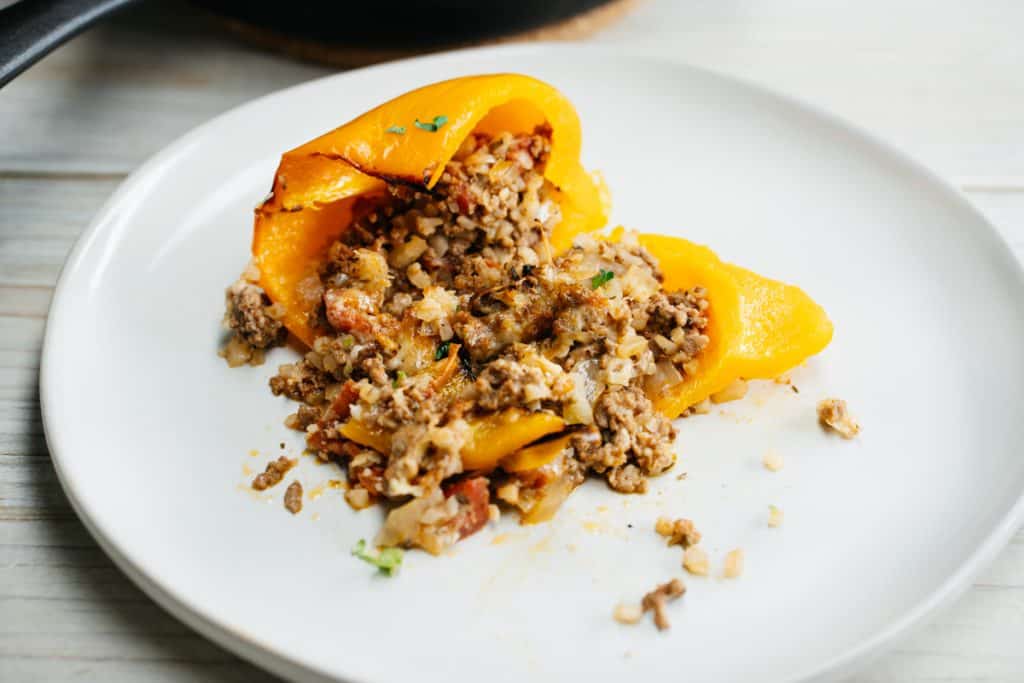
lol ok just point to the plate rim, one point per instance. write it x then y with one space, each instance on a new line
278 660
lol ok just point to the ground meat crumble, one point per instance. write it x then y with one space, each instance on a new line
443 306
273 474
833 414
253 321
293 498
656 599
679 532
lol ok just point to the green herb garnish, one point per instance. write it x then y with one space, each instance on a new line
442 351
397 130
399 378
387 561
348 341
431 126
601 278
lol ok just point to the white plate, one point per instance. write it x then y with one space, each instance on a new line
151 432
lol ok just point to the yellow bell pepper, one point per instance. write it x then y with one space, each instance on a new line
496 436
492 437
377 439
317 185
535 456
758 328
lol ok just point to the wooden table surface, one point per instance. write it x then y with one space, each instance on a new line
941 80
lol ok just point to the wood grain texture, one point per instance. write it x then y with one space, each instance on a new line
939 79
115 95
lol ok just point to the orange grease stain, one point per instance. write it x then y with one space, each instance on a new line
542 546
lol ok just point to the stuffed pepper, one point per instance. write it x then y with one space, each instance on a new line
471 339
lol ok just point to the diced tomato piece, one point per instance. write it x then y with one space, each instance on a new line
474 498
343 401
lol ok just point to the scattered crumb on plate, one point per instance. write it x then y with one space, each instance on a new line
833 414
656 599
273 474
628 614
293 498
772 460
775 516
678 532
695 560
653 601
733 564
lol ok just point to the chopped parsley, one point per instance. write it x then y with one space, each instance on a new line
431 126
602 277
442 351
399 378
387 561
397 130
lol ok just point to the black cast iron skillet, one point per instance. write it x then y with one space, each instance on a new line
30 29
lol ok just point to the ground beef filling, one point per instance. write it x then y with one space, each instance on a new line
439 307
252 320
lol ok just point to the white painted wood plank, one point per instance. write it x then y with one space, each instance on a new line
21 333
119 93
24 302
32 262
939 78
177 667
48 207
69 614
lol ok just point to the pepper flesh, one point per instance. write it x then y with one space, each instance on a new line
491 437
758 327
535 456
317 185
496 436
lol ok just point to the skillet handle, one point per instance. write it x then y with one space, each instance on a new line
31 29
